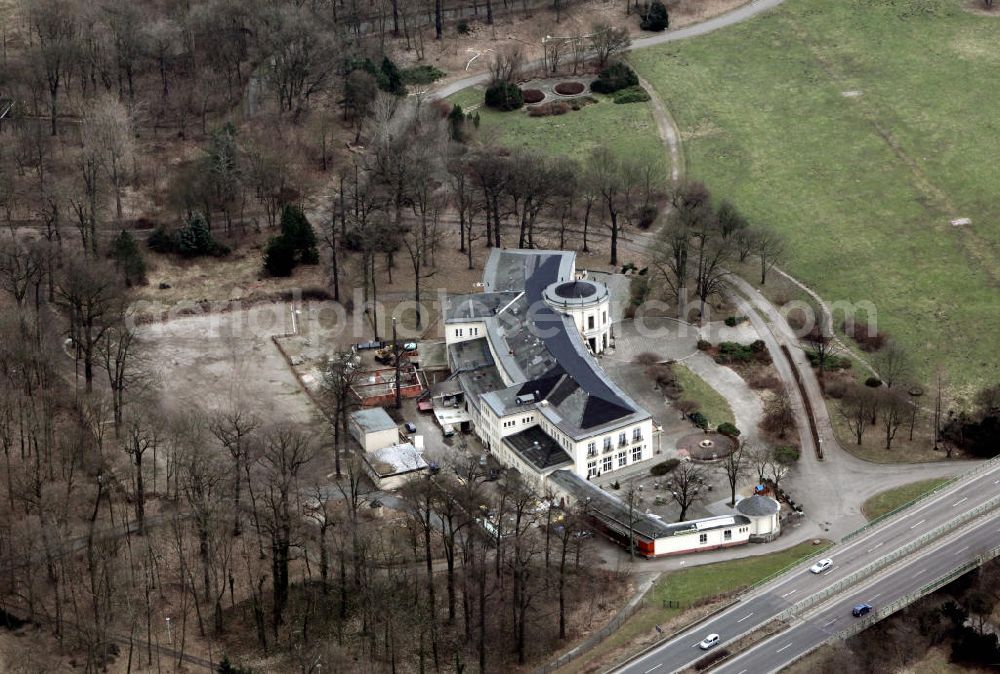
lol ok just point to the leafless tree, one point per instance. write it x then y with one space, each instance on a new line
769 247
339 379
735 465
856 410
686 486
608 41
892 363
895 409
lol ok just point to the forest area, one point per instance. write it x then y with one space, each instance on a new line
136 537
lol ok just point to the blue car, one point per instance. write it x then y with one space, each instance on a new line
861 609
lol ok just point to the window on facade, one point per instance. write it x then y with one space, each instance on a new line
592 469
607 444
636 434
622 459
474 331
590 322
727 535
591 448
703 538
604 317
621 438
636 454
606 464
458 332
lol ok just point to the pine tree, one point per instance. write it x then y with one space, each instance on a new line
128 258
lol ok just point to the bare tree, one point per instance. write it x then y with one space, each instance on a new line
235 427
607 42
339 380
892 363
687 486
735 465
856 410
54 23
92 293
769 246
894 408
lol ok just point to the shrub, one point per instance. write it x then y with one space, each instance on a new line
195 240
704 345
504 96
866 339
654 17
873 382
456 123
687 407
634 94
615 77
728 429
733 321
763 380
664 467
646 358
422 74
569 88
836 389
532 95
549 109
734 352
463 28
647 216
699 420
786 455
662 375
128 259
279 257
162 241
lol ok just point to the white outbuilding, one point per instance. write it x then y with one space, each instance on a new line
763 513
373 428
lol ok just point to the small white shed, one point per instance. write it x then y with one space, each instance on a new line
373 428
765 522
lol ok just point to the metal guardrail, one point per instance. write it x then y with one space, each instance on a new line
860 625
888 559
981 468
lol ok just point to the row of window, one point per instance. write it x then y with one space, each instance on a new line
608 462
622 441
727 535
460 332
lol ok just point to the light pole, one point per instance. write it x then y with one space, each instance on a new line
170 635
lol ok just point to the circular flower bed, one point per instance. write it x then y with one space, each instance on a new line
533 96
569 88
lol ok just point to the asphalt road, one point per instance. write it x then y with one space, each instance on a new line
764 604
834 617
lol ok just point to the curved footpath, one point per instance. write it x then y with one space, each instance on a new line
737 15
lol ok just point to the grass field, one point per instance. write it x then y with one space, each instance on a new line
712 403
629 129
859 129
889 500
687 588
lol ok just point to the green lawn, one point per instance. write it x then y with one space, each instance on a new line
863 186
889 500
629 129
687 588
712 403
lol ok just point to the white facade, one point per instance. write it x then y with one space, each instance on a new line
710 533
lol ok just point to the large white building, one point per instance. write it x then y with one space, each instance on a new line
523 353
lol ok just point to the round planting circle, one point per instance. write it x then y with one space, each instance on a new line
533 96
569 88
707 446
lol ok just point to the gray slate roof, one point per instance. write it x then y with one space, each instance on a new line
373 420
757 506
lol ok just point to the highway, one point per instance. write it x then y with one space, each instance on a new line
917 571
762 605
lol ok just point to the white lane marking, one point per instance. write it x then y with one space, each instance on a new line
654 668
742 671
917 573
918 524
877 545
876 596
831 622
745 617
783 648
996 481
788 594
961 500
961 550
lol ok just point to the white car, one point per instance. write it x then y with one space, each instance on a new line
708 642
821 566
